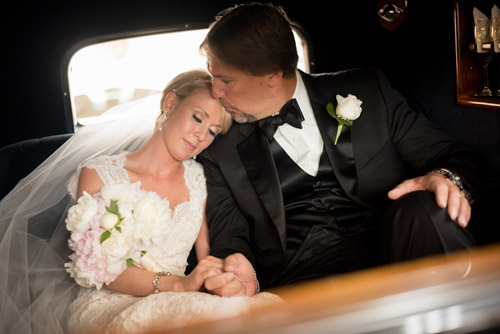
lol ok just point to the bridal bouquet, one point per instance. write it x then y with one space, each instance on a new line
114 229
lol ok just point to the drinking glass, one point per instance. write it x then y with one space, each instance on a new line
483 48
495 37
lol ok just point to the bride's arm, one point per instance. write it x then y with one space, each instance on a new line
139 282
202 245
88 181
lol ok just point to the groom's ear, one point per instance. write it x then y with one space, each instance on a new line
274 79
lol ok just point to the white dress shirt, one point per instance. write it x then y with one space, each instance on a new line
304 146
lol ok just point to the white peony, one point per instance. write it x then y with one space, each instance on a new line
119 245
109 221
121 192
116 266
126 210
80 214
112 230
151 214
349 107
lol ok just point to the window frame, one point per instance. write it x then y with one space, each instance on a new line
70 114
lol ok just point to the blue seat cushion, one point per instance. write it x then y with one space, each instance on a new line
19 159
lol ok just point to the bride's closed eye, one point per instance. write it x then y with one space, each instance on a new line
213 133
196 118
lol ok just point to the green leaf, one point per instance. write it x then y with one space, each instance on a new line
113 207
119 229
130 262
105 235
331 110
345 121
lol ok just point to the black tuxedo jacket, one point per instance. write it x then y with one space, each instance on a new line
387 144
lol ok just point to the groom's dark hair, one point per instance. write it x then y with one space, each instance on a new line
255 38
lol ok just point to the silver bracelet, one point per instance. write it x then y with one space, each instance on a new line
156 281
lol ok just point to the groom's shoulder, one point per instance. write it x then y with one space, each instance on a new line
351 80
350 74
228 141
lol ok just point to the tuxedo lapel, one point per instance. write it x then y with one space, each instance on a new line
341 156
258 161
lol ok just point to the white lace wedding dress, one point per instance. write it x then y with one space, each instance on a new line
105 311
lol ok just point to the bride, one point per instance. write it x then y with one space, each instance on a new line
139 210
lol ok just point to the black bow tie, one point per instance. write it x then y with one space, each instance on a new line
290 113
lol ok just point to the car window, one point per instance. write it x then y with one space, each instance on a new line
106 74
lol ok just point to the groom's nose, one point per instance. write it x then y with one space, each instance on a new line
218 90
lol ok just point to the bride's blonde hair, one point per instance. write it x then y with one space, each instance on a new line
187 84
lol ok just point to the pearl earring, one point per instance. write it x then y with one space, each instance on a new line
164 117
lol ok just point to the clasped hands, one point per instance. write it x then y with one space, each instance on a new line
447 195
232 276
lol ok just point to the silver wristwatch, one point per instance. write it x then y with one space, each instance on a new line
455 179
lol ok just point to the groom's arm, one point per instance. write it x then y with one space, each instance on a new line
229 236
425 148
228 228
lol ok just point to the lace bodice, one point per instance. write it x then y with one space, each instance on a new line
106 311
185 223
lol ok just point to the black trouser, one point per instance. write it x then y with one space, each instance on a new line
414 226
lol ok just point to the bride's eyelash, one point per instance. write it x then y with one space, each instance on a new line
197 119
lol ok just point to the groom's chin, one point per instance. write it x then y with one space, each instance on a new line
240 118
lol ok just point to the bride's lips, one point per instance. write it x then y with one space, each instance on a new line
189 145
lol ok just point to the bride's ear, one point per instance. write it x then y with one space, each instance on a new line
169 102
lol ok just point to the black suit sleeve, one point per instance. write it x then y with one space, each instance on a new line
229 230
423 147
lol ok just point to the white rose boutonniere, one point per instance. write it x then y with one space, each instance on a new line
348 110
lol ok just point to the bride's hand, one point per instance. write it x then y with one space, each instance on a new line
238 278
209 266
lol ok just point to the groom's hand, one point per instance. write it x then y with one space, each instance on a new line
238 278
447 195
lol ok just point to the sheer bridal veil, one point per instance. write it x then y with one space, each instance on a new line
35 290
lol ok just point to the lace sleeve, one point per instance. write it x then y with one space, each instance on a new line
110 169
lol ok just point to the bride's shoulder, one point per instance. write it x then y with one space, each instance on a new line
194 172
193 166
109 168
116 160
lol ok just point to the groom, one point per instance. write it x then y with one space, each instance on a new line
285 202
